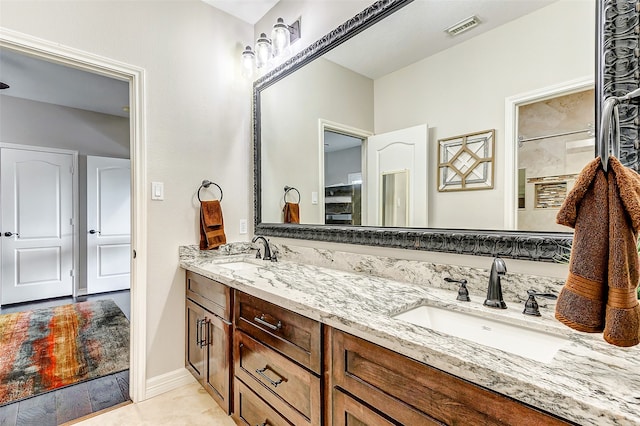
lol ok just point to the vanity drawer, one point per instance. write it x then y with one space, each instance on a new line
289 388
294 335
351 412
406 389
214 296
251 410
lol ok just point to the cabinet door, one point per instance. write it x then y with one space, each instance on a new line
194 356
349 412
218 350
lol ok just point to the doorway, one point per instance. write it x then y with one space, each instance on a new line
91 63
342 170
542 158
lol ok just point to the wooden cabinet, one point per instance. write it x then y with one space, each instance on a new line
407 392
277 362
287 369
208 336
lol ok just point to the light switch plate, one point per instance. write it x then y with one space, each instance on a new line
314 197
243 226
157 190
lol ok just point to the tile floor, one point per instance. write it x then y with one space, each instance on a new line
187 405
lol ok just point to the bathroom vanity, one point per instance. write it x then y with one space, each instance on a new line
316 345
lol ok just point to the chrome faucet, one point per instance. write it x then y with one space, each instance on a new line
494 291
267 249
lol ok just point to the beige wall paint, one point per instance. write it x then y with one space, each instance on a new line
533 52
198 123
290 131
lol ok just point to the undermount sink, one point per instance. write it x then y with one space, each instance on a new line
523 341
238 266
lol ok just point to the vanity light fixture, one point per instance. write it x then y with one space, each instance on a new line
266 49
462 26
263 50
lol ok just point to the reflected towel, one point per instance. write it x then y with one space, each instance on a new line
291 213
211 225
600 291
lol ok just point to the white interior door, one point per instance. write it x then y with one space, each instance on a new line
404 149
108 224
37 224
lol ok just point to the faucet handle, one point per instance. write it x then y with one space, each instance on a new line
258 254
463 292
531 305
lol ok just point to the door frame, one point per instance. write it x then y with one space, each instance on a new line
55 52
511 105
75 201
344 129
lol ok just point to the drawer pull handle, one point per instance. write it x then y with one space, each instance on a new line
206 338
202 336
266 423
199 332
275 384
264 322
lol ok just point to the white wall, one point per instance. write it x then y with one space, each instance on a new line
41 124
28 122
290 131
463 90
197 124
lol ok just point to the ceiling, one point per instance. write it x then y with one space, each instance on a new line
417 31
250 11
38 80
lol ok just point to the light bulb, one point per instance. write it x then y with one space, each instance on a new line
281 37
248 61
263 50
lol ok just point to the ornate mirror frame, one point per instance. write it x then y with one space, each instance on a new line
617 72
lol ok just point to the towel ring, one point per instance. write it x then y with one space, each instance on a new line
609 132
286 191
207 183
609 137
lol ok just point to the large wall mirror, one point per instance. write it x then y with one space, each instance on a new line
396 133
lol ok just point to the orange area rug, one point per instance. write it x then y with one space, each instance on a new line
46 349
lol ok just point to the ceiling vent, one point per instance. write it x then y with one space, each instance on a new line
462 26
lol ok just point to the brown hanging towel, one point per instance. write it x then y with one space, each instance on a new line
211 225
600 291
291 213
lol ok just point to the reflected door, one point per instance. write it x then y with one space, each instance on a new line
37 225
108 224
391 152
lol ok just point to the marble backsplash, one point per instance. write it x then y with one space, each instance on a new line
514 286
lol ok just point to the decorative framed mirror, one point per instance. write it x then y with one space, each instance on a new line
602 33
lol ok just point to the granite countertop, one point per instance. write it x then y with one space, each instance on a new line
587 382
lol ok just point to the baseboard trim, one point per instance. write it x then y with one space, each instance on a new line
166 382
